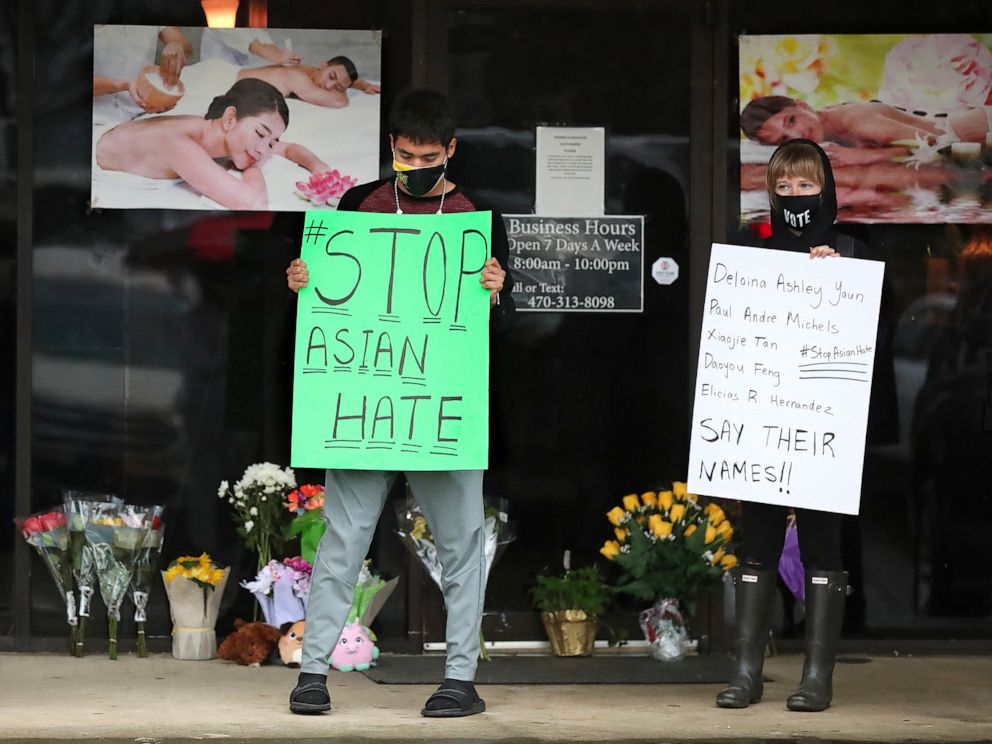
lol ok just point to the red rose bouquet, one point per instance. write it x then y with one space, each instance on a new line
46 532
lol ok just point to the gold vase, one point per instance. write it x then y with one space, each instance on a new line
571 632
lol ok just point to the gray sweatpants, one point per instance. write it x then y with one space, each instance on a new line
452 504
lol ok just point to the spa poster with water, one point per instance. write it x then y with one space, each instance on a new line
905 120
240 119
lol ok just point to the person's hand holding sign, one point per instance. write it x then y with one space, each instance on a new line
822 251
492 278
297 275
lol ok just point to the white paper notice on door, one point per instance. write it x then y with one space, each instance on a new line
571 168
784 378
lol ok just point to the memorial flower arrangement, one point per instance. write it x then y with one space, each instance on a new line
257 504
114 535
146 563
282 589
415 533
78 506
194 585
306 504
668 546
47 532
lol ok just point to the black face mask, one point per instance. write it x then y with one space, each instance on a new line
798 211
419 181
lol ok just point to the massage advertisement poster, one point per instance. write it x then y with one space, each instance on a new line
239 119
905 120
784 378
392 343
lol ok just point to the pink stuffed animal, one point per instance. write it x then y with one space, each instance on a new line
354 650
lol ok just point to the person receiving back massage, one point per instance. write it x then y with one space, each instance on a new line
242 128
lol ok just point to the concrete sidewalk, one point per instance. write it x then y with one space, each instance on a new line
905 699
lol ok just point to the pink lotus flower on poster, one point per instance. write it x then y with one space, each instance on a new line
937 73
323 188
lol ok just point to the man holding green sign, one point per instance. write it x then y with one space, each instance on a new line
392 363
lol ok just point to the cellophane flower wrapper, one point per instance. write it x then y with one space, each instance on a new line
413 530
78 505
416 535
282 590
146 563
194 610
371 593
114 536
664 628
309 526
47 532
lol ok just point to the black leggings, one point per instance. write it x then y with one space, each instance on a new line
764 535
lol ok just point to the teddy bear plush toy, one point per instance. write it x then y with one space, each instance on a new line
250 644
355 649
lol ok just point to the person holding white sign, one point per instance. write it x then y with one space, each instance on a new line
422 138
803 209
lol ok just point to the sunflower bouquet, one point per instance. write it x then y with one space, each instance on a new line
194 585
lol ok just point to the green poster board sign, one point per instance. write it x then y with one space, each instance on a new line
392 343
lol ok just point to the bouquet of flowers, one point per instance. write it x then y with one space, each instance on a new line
48 534
145 566
306 504
668 546
194 586
282 589
413 530
371 593
114 535
256 500
78 505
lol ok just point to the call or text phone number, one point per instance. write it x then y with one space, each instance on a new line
543 302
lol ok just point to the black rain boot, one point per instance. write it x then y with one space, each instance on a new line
826 592
754 592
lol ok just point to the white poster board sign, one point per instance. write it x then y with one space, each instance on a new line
784 378
571 171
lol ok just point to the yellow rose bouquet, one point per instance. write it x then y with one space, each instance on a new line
667 544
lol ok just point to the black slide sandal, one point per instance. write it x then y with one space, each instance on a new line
467 704
299 706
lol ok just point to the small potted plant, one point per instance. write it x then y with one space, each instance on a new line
570 606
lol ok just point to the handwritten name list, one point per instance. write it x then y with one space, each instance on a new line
784 378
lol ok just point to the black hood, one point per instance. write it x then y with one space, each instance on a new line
820 230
